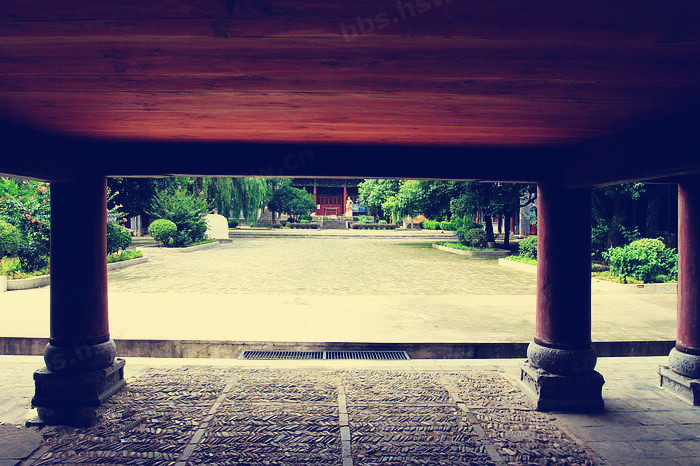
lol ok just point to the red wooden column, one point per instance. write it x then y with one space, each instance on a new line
682 375
345 199
81 370
559 371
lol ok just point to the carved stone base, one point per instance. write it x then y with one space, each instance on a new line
551 392
680 385
72 398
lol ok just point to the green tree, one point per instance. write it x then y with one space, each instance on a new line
437 196
373 193
614 215
185 210
230 196
292 201
407 201
491 199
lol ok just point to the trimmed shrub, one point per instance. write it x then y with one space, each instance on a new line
162 230
118 238
646 260
382 222
430 225
528 247
304 225
373 226
10 239
363 219
447 226
186 211
232 223
472 237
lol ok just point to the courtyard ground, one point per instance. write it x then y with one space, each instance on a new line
334 289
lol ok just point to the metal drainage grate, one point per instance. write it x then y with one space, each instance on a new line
372 355
335 355
296 355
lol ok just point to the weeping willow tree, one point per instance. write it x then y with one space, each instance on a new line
233 195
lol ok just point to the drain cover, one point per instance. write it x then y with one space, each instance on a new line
335 355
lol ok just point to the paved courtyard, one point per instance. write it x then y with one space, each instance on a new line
334 289
177 411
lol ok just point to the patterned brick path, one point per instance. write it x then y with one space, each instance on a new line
208 415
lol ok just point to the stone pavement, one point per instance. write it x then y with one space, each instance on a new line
334 289
354 412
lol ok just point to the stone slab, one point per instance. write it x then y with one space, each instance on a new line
77 389
550 392
680 385
17 443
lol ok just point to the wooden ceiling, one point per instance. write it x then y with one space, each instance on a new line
519 75
431 72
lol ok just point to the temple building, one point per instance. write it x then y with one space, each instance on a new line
331 195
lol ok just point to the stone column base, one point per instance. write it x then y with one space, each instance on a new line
72 398
680 385
551 392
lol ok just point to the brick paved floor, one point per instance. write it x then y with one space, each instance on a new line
419 411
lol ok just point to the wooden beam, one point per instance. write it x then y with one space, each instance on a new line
27 153
665 148
323 161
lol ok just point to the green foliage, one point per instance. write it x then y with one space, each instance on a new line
292 201
124 256
430 225
473 236
645 260
232 223
447 226
26 205
233 195
118 238
10 266
305 225
382 222
613 221
528 247
373 226
10 239
186 211
373 193
523 259
162 230
407 201
463 247
364 219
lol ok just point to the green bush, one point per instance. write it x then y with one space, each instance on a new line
528 247
186 211
382 222
363 219
10 239
162 230
10 266
474 236
430 225
124 256
646 260
118 238
304 225
26 205
447 226
373 226
232 223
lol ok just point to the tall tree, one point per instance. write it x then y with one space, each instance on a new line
373 193
231 196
